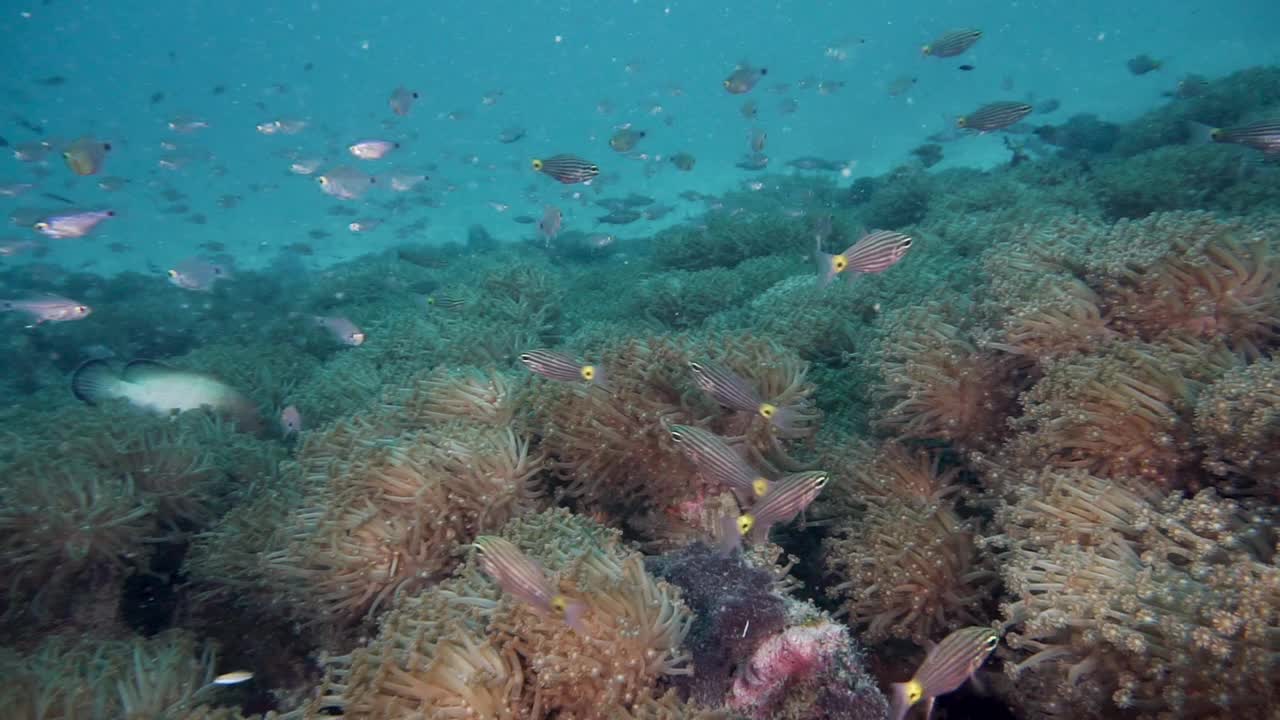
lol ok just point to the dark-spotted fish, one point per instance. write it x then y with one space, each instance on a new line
952 42
47 308
566 169
994 116
944 669
683 161
86 155
743 78
625 139
73 225
875 252
401 100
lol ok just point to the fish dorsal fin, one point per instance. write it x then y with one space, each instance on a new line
139 370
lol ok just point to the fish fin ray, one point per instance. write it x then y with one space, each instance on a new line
92 381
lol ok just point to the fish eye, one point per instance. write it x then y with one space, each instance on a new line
173 273
822 481
66 155
82 309
675 435
526 358
593 169
41 226
991 642
322 180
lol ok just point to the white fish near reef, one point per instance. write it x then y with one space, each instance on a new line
158 388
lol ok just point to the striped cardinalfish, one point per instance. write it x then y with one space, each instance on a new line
1263 136
945 668
568 169
874 252
786 499
558 366
952 42
523 578
994 116
720 463
733 391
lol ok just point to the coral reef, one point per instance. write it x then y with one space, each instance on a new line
1237 422
462 648
904 563
1165 608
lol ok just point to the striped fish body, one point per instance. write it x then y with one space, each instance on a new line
563 368
726 387
785 499
1263 136
944 669
720 463
952 42
567 169
514 572
876 251
995 116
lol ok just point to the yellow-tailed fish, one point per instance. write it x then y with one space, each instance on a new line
525 580
558 366
945 668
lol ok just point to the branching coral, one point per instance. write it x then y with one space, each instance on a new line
936 383
907 565
1237 421
462 649
1167 611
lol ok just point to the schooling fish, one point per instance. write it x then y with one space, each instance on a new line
197 274
372 149
401 100
874 252
994 116
156 387
74 225
786 499
566 169
952 43
735 392
563 368
743 78
720 463
524 579
1263 135
342 329
944 669
86 156
625 139
345 183
47 308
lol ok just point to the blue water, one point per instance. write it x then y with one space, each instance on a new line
553 63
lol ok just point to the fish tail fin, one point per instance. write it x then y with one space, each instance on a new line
730 538
573 613
1199 133
785 418
899 704
601 379
93 380
826 267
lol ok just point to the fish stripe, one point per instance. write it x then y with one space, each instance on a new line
953 660
553 365
567 169
719 462
786 499
877 251
995 116
953 42
514 572
726 387
1264 136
